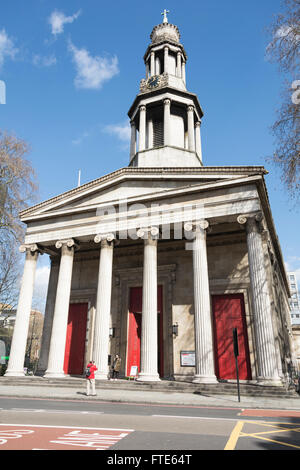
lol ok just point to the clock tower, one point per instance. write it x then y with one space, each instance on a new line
165 117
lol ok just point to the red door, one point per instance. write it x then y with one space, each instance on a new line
229 313
135 329
75 340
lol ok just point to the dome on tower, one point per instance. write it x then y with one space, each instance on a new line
165 31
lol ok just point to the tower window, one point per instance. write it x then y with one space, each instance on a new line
158 133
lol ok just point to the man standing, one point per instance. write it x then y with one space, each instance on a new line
90 377
116 367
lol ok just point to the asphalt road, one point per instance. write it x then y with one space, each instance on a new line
57 424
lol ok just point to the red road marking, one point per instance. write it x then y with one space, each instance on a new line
271 413
35 437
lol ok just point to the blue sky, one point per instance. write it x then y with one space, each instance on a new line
72 70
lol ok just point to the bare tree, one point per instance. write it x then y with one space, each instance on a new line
17 185
17 190
284 50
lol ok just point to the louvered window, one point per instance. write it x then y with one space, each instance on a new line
158 133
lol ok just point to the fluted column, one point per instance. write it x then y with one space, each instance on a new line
142 128
18 346
167 117
265 341
152 64
132 140
191 128
183 71
149 346
179 68
61 310
101 334
198 140
204 350
166 59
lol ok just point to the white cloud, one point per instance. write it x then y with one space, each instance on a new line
92 72
122 131
7 48
44 61
80 139
58 19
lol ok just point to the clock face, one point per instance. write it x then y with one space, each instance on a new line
153 82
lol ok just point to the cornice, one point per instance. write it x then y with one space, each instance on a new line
131 172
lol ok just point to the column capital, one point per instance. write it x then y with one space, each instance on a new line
198 123
31 247
132 123
104 237
202 224
252 222
148 233
142 107
69 243
190 108
167 101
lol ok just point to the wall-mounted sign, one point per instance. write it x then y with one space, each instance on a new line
187 358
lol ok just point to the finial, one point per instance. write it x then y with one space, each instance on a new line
165 15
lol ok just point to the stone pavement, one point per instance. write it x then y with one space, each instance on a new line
118 394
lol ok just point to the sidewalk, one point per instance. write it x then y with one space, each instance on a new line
77 392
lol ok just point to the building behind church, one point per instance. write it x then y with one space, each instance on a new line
160 261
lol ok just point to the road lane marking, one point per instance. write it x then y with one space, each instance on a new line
194 417
32 410
231 443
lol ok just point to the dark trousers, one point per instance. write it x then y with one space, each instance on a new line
115 374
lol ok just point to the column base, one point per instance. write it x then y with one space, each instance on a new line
205 379
55 375
148 378
271 382
14 373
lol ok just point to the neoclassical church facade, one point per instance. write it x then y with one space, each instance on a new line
160 261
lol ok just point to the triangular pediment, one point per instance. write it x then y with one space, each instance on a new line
134 184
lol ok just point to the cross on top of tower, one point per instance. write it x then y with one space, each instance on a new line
165 15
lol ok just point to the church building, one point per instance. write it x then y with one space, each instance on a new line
163 260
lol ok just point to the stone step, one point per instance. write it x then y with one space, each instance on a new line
221 388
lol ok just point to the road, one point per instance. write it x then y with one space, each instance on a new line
47 424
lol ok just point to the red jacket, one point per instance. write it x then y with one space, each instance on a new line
93 369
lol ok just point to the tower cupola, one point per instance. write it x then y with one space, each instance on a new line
165 118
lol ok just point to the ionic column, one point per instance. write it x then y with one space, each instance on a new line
179 68
183 71
150 134
132 140
101 333
149 347
142 128
152 64
265 341
198 140
18 346
61 310
191 128
166 59
167 117
204 350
